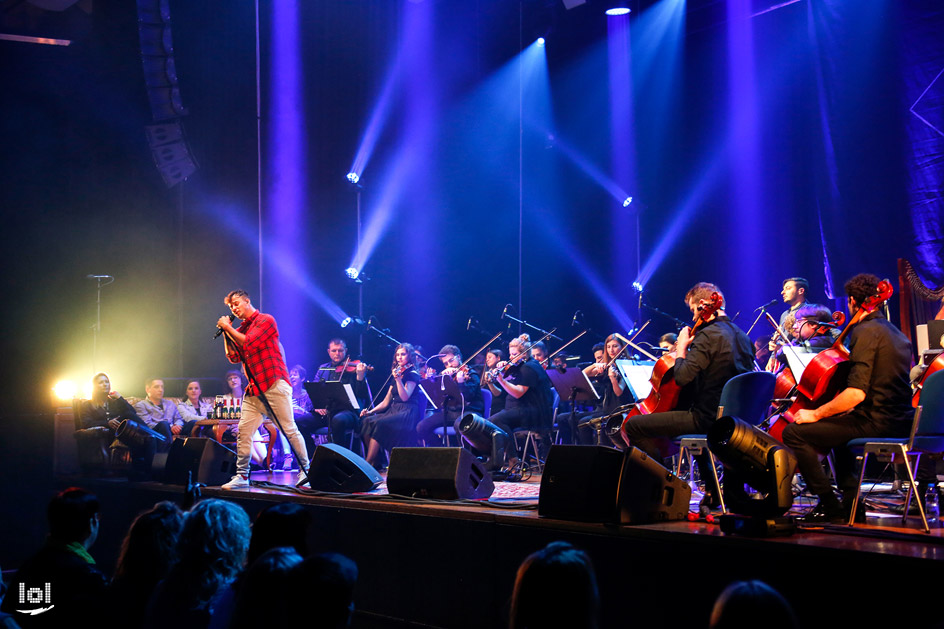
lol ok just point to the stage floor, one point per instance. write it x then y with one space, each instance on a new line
883 532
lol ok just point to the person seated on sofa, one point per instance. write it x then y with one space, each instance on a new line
162 415
106 408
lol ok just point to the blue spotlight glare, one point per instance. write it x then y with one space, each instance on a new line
627 201
637 287
347 321
540 42
353 177
352 272
617 11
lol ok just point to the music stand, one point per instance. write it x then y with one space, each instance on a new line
333 396
576 382
439 390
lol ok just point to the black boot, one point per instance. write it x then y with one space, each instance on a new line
827 511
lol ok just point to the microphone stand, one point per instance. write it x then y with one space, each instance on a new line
679 324
269 410
763 310
382 333
546 334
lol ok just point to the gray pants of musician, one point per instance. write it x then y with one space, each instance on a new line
253 412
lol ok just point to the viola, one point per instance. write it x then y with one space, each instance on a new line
825 376
665 392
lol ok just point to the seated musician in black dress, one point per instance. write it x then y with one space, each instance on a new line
392 422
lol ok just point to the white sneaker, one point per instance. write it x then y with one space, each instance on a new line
302 476
236 482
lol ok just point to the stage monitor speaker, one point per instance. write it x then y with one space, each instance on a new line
339 470
601 484
208 462
442 473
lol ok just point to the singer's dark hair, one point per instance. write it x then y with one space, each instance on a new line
799 282
236 293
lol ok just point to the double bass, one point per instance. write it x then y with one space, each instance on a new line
665 392
826 375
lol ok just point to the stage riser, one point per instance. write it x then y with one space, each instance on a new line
455 568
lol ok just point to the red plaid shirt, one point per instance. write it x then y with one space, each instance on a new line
261 353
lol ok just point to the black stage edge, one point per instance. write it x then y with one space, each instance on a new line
447 565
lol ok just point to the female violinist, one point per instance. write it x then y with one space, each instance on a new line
528 389
616 392
392 422
492 358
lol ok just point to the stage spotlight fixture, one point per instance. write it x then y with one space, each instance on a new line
627 202
65 390
351 273
356 324
637 287
617 11
540 42
752 457
353 177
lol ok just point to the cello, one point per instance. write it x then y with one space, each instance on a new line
826 375
665 392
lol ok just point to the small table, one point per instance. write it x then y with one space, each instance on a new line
220 426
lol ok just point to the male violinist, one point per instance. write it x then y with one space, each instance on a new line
471 400
717 352
339 369
875 403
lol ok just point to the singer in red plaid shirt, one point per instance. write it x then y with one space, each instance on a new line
256 345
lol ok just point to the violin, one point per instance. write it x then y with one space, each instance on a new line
399 370
665 392
505 366
350 367
825 376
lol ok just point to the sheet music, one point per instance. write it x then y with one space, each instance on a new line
636 373
797 359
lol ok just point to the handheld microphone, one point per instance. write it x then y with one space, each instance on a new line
219 330
772 302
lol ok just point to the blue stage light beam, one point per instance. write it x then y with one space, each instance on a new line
377 121
286 194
